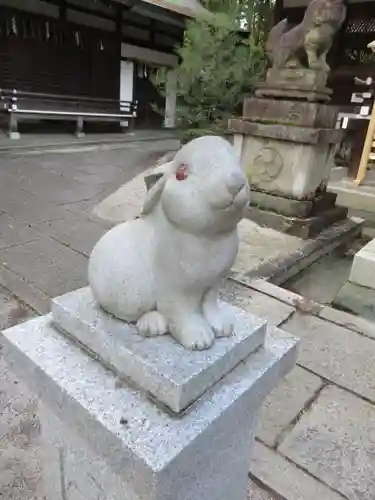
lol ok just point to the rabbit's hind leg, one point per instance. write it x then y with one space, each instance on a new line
217 315
152 324
192 331
185 320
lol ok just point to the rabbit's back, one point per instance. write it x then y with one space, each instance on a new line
121 271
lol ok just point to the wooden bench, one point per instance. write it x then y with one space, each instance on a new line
21 105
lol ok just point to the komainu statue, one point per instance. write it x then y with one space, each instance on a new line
307 44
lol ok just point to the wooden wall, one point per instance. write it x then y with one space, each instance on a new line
73 47
41 54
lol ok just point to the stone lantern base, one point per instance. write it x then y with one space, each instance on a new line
286 142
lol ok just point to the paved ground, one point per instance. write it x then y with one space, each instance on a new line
46 230
316 437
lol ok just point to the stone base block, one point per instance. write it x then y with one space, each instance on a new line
176 379
291 207
303 114
299 77
357 299
304 228
295 83
294 92
103 439
363 269
285 132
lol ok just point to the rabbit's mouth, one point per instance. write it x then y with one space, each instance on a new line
236 203
242 198
224 204
229 202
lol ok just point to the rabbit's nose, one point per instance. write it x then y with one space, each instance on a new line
235 183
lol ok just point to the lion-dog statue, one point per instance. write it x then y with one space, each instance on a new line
308 43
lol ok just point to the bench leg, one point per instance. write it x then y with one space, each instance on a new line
79 128
130 124
13 127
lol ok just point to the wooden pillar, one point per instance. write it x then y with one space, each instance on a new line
152 33
13 127
170 100
62 10
119 26
118 45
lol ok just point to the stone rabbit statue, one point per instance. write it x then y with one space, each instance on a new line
163 270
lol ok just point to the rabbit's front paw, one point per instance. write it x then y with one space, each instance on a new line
152 324
220 319
194 333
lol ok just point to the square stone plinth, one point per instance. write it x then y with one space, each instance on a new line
110 442
357 299
363 269
160 366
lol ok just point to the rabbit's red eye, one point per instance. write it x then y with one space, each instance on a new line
182 172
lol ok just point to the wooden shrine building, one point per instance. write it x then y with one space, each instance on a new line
84 60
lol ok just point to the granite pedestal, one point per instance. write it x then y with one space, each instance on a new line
130 418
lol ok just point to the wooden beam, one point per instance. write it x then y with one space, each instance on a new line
152 33
362 169
158 26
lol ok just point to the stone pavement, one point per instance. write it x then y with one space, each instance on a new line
317 430
46 229
316 435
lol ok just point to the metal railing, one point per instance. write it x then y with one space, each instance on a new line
35 102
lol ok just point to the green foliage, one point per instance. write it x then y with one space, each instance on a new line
217 68
257 18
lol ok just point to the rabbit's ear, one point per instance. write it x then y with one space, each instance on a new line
155 182
152 178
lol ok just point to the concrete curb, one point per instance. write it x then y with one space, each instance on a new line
27 147
278 271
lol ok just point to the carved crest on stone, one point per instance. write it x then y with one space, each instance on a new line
267 165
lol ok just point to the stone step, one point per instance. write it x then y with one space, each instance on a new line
176 379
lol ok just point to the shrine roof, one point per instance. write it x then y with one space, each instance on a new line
303 3
188 8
